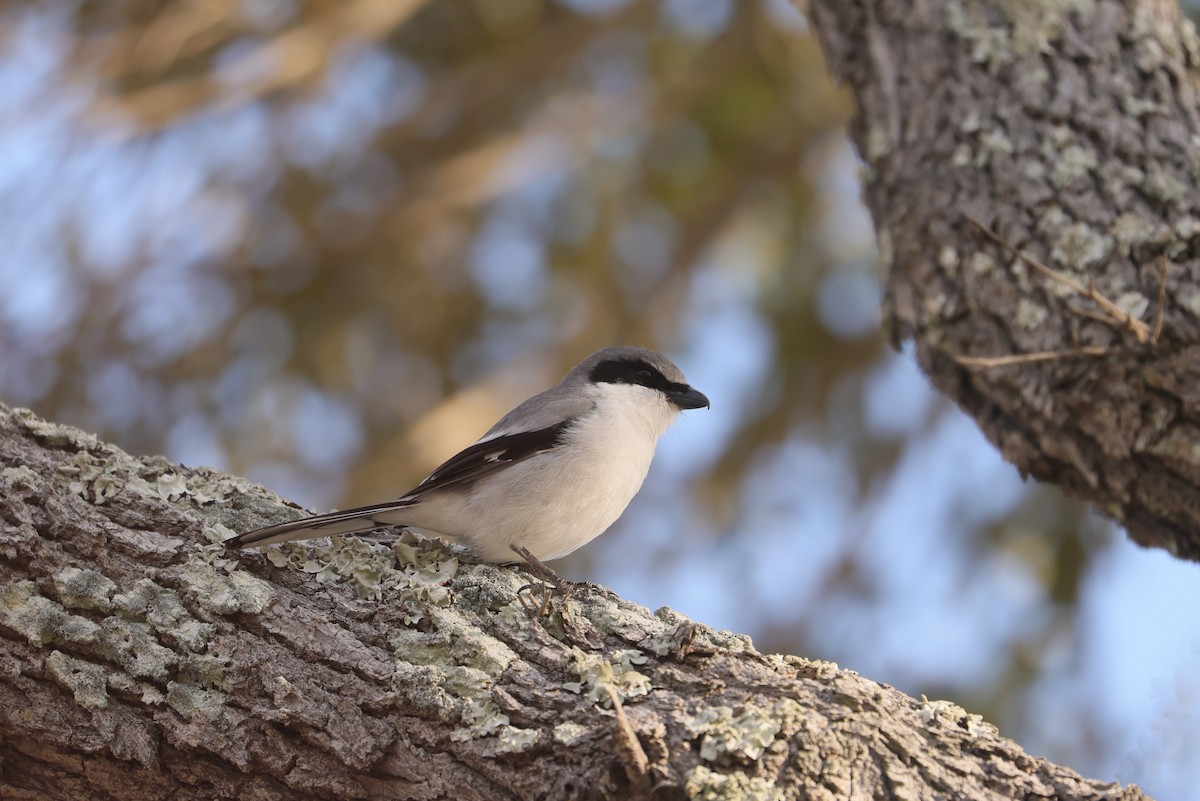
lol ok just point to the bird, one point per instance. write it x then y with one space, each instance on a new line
552 475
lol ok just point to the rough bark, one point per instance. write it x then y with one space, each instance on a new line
1070 128
138 662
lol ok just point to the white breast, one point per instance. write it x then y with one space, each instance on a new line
555 502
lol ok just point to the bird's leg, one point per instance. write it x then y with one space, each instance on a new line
550 582
539 569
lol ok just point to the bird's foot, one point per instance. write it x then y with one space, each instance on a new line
537 596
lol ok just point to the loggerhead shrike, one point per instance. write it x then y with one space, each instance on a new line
553 474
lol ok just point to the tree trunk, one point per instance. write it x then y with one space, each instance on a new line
139 662
1070 130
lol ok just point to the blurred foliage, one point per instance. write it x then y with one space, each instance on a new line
326 243
355 208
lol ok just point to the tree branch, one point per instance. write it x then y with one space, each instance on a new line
140 661
1070 129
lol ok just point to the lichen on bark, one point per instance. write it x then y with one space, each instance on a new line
1072 129
138 661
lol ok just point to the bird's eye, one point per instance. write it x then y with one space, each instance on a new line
645 376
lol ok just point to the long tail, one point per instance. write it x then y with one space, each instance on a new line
349 521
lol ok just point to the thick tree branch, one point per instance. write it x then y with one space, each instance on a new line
139 662
1071 129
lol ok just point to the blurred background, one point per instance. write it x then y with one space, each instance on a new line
325 244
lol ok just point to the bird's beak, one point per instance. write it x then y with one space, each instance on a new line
688 398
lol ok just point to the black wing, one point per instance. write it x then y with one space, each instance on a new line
486 457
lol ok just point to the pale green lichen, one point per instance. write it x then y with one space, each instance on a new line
203 487
879 143
1133 304
1052 219
599 675
424 687
1030 315
59 436
87 681
224 594
285 694
744 736
195 702
84 589
1131 230
88 478
1187 228
568 733
214 554
412 569
20 477
660 644
480 718
1155 38
452 640
1037 27
1190 41
1163 186
204 669
133 647
1079 246
671 624
448 666
990 46
948 259
952 713
1033 78
513 740
705 784
1033 169
934 307
1192 303
818 668
1073 163
981 263
128 644
677 640
1071 159
956 18
163 609
40 620
97 479
217 533
151 695
612 615
171 486
1029 28
1141 107
996 140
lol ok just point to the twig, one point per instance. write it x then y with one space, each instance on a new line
633 756
1115 315
1091 315
988 362
1162 300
